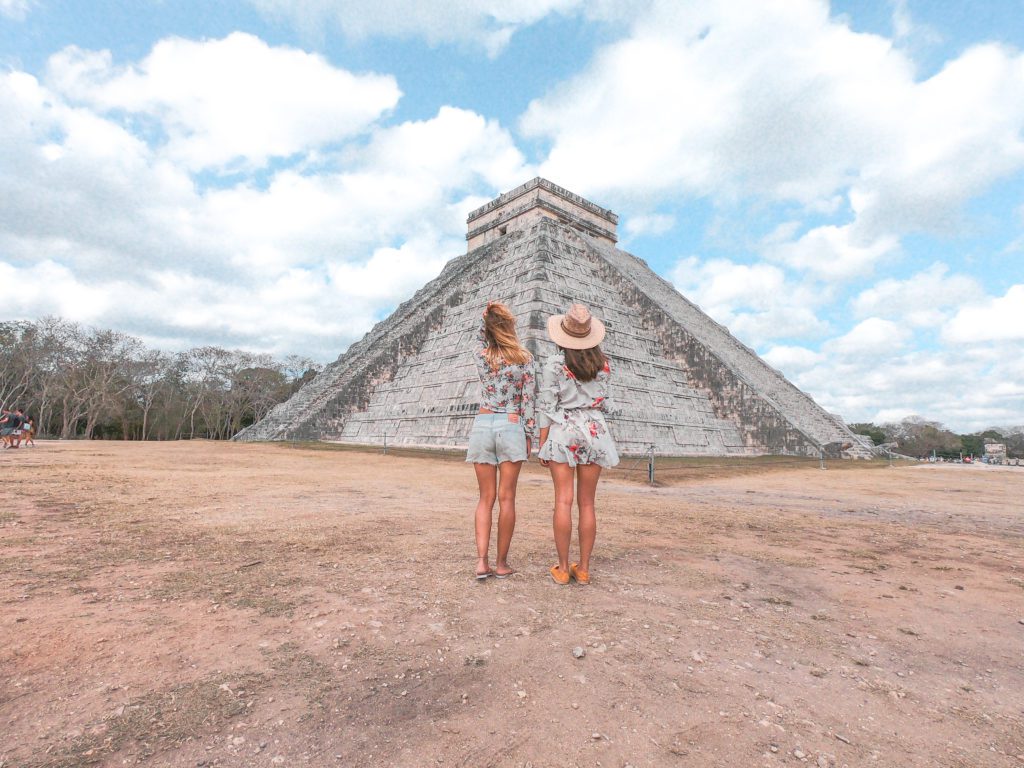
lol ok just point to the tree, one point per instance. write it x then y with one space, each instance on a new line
88 382
876 433
919 437
16 368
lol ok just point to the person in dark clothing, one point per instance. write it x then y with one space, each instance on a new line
10 427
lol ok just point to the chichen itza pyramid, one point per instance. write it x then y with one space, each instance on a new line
684 384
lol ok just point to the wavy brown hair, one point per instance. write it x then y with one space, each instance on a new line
584 364
503 344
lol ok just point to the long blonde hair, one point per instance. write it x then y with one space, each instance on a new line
503 344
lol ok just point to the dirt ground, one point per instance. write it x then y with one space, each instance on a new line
201 604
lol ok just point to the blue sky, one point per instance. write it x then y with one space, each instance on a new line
841 185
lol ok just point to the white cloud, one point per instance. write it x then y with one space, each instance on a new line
881 371
230 101
878 370
833 253
674 107
649 224
779 103
392 273
924 299
963 392
48 288
755 301
15 9
455 141
871 338
792 358
103 224
486 23
722 284
998 319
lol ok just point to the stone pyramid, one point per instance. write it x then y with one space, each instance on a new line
683 383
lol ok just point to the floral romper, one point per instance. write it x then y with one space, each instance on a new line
509 392
574 410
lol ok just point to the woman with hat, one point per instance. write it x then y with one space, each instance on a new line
575 443
499 441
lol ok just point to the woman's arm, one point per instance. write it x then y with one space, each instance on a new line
543 439
527 402
547 402
547 396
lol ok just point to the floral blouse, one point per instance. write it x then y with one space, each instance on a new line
508 389
560 391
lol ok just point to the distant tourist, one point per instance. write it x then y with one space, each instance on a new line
502 431
574 439
28 432
10 427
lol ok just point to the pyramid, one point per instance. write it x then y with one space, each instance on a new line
683 383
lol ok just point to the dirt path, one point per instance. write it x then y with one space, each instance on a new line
200 604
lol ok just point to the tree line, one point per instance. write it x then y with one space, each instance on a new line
916 436
84 382
79 381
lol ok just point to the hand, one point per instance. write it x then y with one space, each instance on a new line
529 445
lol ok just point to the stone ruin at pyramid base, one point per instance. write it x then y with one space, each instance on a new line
682 382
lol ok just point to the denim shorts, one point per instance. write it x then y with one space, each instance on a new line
495 439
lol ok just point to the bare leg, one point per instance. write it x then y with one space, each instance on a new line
562 475
487 479
586 489
508 477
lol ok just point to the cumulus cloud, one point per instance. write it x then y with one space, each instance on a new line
965 392
832 253
782 104
792 358
874 338
232 101
649 224
756 301
486 23
997 319
789 118
104 220
887 365
924 299
883 370
15 9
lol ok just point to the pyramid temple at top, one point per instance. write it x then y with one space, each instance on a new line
682 382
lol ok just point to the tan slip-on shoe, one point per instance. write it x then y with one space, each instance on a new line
581 576
559 576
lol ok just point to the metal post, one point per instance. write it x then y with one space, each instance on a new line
821 457
385 443
650 466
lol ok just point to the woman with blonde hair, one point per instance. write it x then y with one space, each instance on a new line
502 431
574 439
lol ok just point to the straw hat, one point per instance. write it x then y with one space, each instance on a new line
576 329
